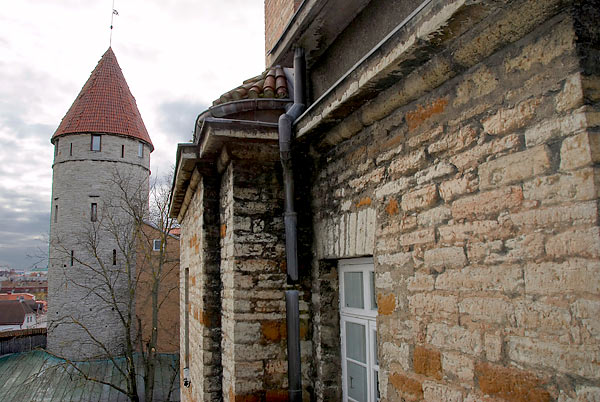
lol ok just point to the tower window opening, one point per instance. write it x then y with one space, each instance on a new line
56 148
122 151
96 143
156 245
55 213
72 257
71 150
94 212
141 149
114 257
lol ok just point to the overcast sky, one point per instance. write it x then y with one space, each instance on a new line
177 57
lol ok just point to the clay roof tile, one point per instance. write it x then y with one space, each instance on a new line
272 83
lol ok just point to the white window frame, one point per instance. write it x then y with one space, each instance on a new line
154 248
140 149
93 148
367 317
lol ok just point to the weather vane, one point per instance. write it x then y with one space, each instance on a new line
112 16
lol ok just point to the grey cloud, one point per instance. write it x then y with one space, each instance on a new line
23 237
177 119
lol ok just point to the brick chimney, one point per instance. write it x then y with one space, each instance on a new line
277 15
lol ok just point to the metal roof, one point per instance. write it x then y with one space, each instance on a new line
39 376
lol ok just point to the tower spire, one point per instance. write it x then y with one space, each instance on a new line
105 105
112 16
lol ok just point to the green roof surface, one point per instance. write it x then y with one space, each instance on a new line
39 376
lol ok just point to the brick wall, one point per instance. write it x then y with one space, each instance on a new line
277 15
479 203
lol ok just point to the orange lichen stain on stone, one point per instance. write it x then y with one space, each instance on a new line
193 241
223 231
204 318
392 142
406 385
273 330
427 362
193 280
303 329
231 395
364 202
358 154
392 207
247 398
277 395
418 116
195 314
386 304
197 248
510 384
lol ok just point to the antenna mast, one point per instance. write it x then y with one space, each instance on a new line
112 16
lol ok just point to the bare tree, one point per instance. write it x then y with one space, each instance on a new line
130 269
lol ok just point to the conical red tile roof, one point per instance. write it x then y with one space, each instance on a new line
105 105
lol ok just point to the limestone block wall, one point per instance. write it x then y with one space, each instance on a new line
200 254
479 204
82 177
254 280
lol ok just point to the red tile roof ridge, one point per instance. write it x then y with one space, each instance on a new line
105 105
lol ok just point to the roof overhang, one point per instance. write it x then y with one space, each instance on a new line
439 40
206 155
314 26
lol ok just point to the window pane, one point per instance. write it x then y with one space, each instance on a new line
140 149
353 290
356 344
373 294
375 352
94 212
357 382
95 143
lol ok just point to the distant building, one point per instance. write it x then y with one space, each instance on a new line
18 314
148 258
36 287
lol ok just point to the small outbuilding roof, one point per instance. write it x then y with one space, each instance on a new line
105 105
12 312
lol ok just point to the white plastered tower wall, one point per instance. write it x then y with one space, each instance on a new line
101 161
82 177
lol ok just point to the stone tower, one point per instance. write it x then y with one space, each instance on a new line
101 147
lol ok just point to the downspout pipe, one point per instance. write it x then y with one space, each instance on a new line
285 152
286 122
